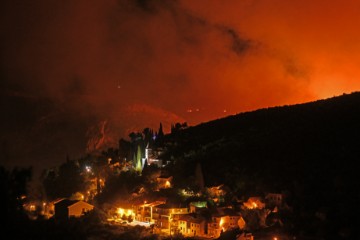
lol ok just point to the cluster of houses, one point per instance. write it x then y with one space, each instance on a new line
196 219
62 208
192 220
188 220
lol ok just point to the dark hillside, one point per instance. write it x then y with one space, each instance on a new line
292 139
310 150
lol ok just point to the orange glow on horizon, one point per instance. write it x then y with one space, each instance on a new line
241 56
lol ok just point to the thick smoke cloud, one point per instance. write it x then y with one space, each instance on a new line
316 42
68 66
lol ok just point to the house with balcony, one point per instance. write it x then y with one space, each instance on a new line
144 211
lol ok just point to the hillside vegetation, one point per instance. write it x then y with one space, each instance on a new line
308 151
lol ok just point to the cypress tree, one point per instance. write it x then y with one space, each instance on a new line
161 133
138 159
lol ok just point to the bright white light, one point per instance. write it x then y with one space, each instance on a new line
120 211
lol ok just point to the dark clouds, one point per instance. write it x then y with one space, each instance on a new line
68 65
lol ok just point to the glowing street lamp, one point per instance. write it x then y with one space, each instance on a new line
88 169
120 211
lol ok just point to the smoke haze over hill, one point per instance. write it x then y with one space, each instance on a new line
67 66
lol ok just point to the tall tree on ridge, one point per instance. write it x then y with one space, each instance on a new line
160 136
161 132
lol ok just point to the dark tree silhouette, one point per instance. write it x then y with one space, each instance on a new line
13 192
64 181
124 149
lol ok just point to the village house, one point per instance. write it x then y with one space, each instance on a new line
216 226
191 226
166 215
71 208
235 220
152 156
144 211
274 200
164 182
217 193
196 206
124 211
254 203
224 219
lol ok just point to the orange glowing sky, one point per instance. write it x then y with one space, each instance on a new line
136 63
